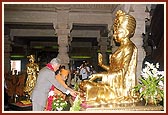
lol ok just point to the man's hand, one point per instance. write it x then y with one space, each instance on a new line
73 93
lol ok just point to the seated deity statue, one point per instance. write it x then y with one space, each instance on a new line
32 73
119 79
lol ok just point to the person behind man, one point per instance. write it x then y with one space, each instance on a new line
84 71
45 80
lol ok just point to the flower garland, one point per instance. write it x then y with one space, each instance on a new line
55 102
51 92
58 103
50 66
50 99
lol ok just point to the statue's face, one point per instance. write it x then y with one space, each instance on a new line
119 34
124 26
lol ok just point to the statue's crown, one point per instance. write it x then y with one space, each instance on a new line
124 20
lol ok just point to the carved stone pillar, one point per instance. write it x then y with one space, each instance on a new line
94 57
63 46
103 48
7 50
63 32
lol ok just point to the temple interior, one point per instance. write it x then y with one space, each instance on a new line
76 33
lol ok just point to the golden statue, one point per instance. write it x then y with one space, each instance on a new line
32 73
116 84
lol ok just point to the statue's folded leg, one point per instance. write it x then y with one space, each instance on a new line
91 93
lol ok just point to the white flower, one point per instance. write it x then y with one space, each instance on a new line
160 73
140 90
147 63
156 76
149 73
144 75
157 65
161 83
152 66
51 93
155 94
61 104
154 71
58 101
146 69
59 108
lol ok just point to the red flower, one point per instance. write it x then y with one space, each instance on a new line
50 100
49 103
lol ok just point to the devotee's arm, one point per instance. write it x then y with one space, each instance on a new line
56 83
62 82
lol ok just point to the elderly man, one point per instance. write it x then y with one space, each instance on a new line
45 80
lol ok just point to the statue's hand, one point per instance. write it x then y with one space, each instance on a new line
93 77
100 59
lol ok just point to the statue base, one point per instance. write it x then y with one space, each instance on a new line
138 106
112 107
129 108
